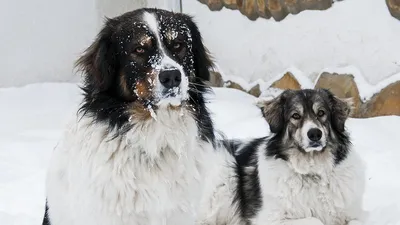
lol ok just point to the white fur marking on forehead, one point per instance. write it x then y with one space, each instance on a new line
152 23
166 62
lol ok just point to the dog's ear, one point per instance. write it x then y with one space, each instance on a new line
273 111
341 110
202 58
98 62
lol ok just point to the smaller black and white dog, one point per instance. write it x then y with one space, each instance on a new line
304 173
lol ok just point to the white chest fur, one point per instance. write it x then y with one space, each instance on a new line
334 196
150 175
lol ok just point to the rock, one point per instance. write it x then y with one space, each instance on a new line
230 4
343 86
231 84
213 5
278 9
248 8
255 91
288 81
386 102
216 79
293 6
394 8
315 4
262 9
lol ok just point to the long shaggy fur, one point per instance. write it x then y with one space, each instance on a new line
125 159
279 180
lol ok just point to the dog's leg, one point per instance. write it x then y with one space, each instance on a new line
305 221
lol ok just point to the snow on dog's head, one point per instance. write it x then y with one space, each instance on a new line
141 62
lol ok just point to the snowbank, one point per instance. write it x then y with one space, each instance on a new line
366 90
353 32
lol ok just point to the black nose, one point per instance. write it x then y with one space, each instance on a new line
314 134
170 78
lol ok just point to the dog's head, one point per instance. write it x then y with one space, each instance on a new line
308 120
141 60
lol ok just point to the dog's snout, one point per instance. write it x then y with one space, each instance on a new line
314 134
170 78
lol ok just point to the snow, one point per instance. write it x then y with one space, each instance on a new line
303 80
365 89
33 116
352 32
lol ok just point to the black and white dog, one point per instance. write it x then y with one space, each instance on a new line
135 153
304 173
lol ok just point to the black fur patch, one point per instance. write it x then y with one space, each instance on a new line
46 220
248 190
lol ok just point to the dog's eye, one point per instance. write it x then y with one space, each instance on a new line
321 113
296 116
140 50
177 46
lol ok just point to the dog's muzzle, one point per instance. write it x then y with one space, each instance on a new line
170 78
314 137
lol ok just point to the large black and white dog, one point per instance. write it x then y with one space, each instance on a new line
304 173
135 153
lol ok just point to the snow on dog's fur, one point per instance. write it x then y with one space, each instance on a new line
136 152
304 173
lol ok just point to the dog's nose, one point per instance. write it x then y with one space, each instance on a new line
314 134
170 78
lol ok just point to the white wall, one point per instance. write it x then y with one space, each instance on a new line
112 8
361 33
40 39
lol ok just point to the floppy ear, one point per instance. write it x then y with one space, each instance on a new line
341 110
202 58
273 111
98 62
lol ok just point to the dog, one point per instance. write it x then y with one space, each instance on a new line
136 151
304 172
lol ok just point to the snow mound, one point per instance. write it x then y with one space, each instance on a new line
366 90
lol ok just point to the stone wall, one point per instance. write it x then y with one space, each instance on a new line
279 9
394 8
386 102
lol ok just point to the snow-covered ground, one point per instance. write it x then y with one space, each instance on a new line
32 119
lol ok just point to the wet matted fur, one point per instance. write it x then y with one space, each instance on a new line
303 173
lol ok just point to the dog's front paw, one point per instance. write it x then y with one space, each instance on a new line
354 222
